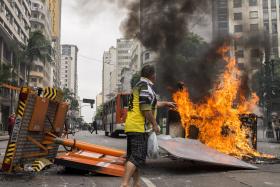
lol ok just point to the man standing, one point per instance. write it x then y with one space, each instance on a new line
141 114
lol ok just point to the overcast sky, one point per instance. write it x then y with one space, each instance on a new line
93 26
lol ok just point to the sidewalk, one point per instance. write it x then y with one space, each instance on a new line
4 136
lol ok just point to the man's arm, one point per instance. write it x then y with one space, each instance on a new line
170 105
150 117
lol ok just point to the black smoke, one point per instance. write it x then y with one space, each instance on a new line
163 27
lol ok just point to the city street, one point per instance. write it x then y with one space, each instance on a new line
163 172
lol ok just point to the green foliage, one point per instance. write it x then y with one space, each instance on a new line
38 47
135 79
190 48
99 112
70 96
5 74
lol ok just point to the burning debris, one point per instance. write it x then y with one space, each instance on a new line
223 131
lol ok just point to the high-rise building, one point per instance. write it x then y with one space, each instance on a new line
14 34
241 19
40 74
123 57
55 11
109 74
134 66
68 68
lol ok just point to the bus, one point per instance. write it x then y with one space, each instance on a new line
114 115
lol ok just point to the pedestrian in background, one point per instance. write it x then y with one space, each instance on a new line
276 125
11 123
94 127
141 117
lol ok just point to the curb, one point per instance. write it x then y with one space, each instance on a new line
4 138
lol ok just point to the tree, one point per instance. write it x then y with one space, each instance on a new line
99 111
38 47
135 79
5 73
70 96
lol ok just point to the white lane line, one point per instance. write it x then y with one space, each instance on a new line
148 182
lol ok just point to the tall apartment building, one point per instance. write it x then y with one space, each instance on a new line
40 74
134 66
68 68
14 33
109 74
55 12
123 58
241 18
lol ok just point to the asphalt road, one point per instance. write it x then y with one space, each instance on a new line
162 173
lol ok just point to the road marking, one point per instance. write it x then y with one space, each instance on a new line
148 182
269 183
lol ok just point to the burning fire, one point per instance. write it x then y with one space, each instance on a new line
218 113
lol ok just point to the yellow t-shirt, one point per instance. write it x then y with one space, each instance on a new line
143 98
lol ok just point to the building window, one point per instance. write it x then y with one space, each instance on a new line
265 3
273 14
274 27
237 3
266 27
66 62
237 16
223 25
275 52
265 15
273 3
274 42
253 2
65 75
147 56
33 80
65 80
253 14
65 71
254 27
239 54
238 28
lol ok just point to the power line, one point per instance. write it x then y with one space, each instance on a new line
90 58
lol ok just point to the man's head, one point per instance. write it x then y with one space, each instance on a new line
149 72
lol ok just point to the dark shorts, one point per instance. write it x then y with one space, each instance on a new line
137 148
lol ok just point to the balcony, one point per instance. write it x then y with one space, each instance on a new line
38 20
37 74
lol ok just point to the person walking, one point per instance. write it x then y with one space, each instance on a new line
94 127
11 123
276 125
141 117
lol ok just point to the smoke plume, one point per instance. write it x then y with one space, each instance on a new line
162 27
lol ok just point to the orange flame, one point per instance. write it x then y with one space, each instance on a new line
218 112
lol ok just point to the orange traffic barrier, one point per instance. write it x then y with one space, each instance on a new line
9 87
89 147
91 162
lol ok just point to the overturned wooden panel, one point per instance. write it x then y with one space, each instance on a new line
60 117
39 114
194 150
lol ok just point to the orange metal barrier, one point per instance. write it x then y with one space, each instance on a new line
89 147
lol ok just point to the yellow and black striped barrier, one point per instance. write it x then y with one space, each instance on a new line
39 165
53 94
21 108
11 147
